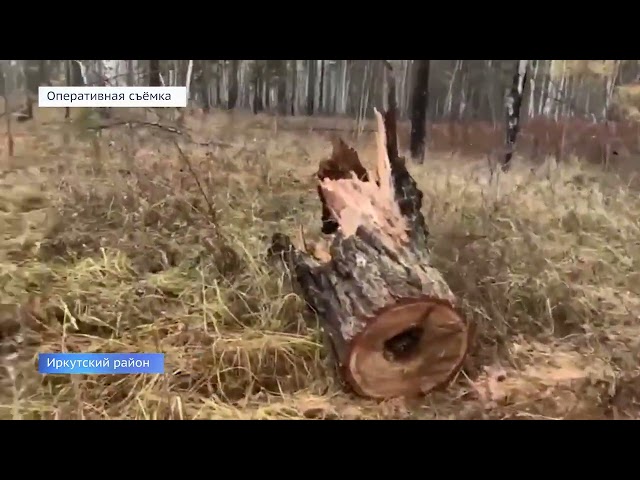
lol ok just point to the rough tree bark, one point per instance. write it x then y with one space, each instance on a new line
388 315
513 104
419 104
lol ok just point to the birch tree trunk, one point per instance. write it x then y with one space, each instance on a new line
187 82
610 85
449 98
552 90
532 89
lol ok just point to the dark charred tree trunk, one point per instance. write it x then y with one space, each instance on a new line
388 316
233 85
419 104
154 73
294 86
311 86
513 106
321 98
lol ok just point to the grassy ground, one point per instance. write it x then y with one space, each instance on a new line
113 248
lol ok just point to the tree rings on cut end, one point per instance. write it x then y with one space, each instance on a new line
408 349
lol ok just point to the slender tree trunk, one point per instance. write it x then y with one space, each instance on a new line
43 70
266 89
406 100
311 86
258 88
561 92
282 88
490 95
552 90
221 83
154 73
69 81
344 87
464 87
363 98
7 106
321 99
610 86
233 85
513 104
205 85
542 100
449 99
187 82
419 104
32 76
294 86
130 73
532 89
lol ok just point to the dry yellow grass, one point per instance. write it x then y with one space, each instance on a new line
113 249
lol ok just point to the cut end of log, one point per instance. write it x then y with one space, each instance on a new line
409 349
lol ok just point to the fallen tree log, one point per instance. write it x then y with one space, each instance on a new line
388 315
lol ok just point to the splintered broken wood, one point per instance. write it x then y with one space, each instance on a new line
388 315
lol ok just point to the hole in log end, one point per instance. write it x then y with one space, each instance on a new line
408 349
404 346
